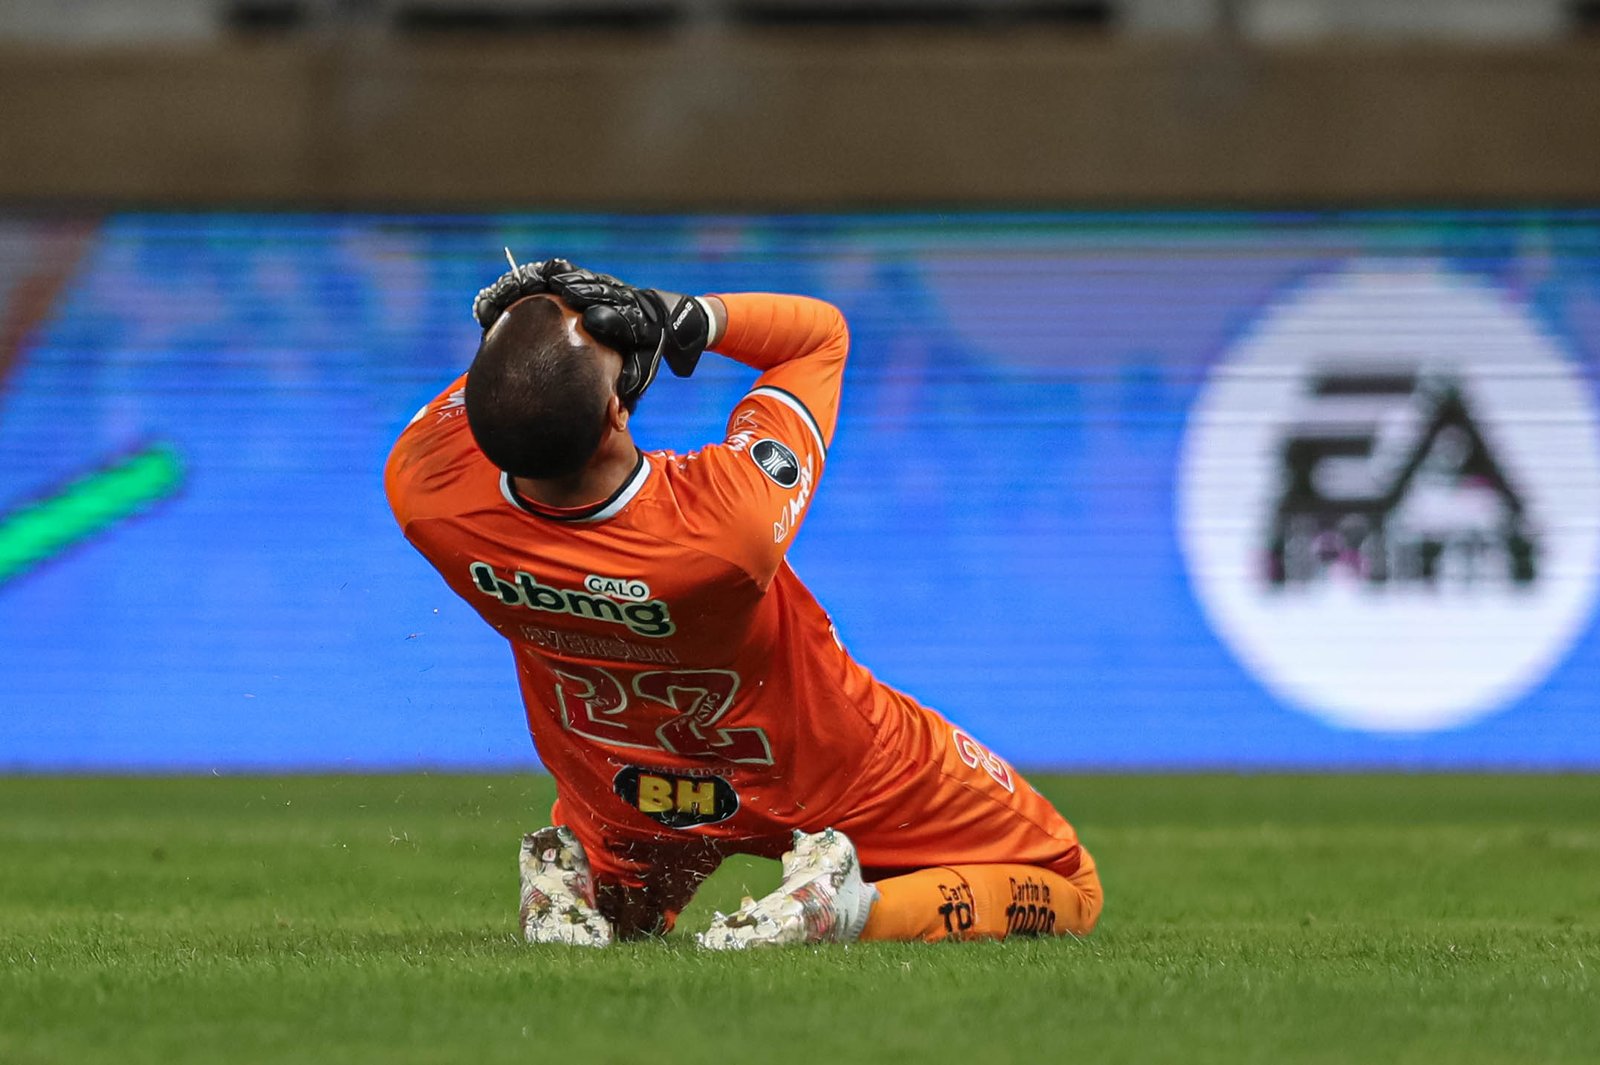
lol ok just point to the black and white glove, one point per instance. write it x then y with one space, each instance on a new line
644 325
529 279
515 284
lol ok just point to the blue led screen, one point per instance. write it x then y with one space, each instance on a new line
1152 490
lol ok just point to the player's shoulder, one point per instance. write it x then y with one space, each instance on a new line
786 403
434 458
440 424
699 480
680 482
699 503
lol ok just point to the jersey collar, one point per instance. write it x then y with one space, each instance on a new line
607 508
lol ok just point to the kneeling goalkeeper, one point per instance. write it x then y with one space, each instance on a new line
685 690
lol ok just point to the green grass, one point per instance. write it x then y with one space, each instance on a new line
1423 919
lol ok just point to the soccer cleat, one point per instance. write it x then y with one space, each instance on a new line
822 900
558 892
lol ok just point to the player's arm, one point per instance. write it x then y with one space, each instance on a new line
756 486
761 479
800 345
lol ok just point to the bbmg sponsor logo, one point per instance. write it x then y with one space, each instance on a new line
616 601
1389 499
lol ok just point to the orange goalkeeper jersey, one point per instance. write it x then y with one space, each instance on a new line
674 669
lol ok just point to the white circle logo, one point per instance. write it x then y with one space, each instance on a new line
1389 499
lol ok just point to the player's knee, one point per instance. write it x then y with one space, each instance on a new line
1045 901
1092 899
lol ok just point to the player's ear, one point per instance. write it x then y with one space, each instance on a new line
616 414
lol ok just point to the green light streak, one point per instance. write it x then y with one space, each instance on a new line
36 532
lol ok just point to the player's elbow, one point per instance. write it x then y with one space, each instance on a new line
830 333
838 330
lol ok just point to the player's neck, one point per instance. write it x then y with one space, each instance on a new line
608 470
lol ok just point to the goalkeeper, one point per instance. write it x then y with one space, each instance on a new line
687 693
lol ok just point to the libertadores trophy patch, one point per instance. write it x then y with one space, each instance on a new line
777 462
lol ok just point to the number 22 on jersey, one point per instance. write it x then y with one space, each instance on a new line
672 710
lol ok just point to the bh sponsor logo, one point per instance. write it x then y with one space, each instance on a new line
1389 499
677 800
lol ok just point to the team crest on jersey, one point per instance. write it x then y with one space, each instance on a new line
777 462
677 800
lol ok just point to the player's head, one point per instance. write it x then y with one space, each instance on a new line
541 392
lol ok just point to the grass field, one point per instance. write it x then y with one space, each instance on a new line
371 919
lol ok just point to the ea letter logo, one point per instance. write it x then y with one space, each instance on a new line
1389 499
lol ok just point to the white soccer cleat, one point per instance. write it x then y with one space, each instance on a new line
822 900
558 892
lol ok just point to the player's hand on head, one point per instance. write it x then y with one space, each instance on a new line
518 283
652 324
581 289
644 326
648 324
685 324
620 324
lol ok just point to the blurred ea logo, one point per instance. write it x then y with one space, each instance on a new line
1389 499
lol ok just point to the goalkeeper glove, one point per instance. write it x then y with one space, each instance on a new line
644 325
520 282
529 279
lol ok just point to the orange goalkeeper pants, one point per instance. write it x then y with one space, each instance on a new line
959 845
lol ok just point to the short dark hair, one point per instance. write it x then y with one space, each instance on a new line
534 399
